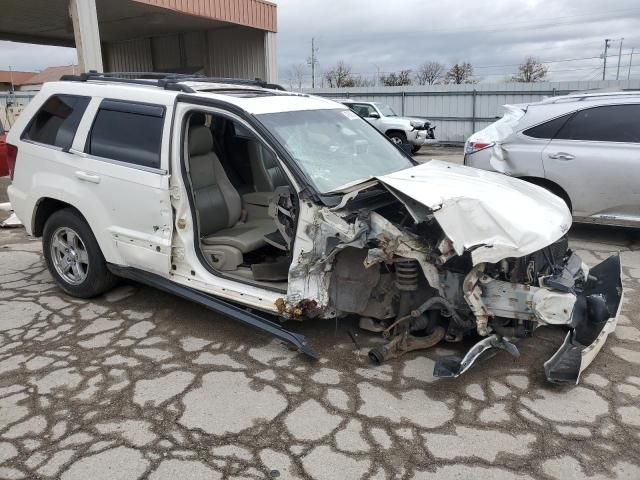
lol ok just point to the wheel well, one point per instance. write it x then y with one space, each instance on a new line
391 132
44 209
552 187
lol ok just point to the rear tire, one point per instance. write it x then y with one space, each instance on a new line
415 150
73 256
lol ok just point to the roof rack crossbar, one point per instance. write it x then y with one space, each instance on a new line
168 81
161 83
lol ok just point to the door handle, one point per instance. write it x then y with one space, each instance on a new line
87 177
561 156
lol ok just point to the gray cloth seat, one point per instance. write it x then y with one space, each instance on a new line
217 202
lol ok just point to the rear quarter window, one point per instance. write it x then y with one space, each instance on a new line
57 121
548 129
610 123
127 132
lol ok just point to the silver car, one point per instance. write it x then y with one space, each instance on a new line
585 148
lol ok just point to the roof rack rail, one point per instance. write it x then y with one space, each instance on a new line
168 81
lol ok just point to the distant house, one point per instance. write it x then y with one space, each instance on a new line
51 74
7 78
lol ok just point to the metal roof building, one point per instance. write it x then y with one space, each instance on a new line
228 38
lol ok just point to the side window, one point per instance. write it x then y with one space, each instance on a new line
548 129
612 123
363 109
57 121
127 132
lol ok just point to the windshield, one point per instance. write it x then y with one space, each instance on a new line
334 148
386 110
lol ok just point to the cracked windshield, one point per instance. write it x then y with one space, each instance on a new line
335 148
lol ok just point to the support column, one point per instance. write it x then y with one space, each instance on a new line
270 57
84 17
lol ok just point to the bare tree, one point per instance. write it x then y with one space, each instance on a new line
340 75
296 76
403 77
531 71
429 73
460 73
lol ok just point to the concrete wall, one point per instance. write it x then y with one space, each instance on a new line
460 110
237 52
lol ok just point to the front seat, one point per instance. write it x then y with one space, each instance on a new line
218 204
266 172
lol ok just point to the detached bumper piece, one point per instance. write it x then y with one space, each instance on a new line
451 367
595 316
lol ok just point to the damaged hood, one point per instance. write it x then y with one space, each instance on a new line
492 215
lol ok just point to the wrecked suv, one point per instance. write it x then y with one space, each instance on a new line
248 199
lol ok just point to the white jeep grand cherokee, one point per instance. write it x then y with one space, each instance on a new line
233 193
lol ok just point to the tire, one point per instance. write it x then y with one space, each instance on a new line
73 255
397 138
415 150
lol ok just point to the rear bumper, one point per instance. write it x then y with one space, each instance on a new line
19 205
595 316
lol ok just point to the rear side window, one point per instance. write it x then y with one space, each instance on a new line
362 109
127 132
548 129
57 121
612 123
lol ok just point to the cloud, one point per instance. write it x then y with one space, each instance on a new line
494 35
375 36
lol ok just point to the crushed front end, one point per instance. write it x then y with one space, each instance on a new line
424 268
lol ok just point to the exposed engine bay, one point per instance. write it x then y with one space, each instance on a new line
386 258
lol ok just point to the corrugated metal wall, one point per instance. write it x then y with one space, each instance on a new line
252 13
460 110
131 56
237 52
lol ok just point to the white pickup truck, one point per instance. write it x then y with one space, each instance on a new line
401 130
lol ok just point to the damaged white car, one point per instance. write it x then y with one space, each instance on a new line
237 195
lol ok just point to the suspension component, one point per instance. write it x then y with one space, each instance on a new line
407 271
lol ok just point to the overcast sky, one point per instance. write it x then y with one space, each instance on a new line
395 34
385 36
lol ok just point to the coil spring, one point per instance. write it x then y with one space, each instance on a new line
406 274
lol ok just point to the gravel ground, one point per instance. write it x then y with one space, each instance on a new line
140 384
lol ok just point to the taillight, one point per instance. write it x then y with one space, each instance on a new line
472 147
12 155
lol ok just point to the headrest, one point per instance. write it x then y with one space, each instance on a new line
200 140
197 118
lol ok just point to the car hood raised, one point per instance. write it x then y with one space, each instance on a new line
492 215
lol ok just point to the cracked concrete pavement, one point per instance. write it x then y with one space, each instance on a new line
141 384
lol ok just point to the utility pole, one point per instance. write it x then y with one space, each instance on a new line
619 57
313 61
607 44
630 63
11 78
